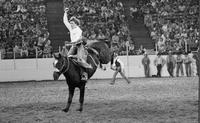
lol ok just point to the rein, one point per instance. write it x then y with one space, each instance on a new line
96 64
62 70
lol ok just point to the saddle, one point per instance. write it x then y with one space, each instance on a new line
82 56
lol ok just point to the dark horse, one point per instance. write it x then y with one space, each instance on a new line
98 52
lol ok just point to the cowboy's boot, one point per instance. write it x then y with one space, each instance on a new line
56 75
84 75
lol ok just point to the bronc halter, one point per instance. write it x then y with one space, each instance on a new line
64 68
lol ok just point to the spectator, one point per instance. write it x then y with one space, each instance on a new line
47 49
41 42
159 63
171 63
101 35
17 49
145 63
24 50
134 13
193 64
197 59
93 35
161 45
187 61
142 50
115 38
179 65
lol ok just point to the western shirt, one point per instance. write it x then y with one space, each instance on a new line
75 33
117 62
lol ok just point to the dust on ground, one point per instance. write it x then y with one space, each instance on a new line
145 100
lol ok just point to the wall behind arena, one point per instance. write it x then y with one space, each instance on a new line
42 69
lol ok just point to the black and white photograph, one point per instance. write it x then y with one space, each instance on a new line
99 61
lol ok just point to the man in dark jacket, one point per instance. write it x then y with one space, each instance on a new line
146 62
171 63
179 62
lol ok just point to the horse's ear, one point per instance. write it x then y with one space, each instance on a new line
54 55
57 55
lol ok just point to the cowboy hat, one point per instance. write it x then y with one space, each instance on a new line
75 20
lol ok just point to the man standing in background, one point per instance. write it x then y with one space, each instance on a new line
159 63
187 61
171 63
146 62
179 62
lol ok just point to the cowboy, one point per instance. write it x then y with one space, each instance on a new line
188 61
179 66
159 63
171 63
77 49
118 66
145 63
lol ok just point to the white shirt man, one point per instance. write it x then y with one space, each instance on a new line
159 63
74 29
116 59
118 66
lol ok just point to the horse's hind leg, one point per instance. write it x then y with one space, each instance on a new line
81 98
71 94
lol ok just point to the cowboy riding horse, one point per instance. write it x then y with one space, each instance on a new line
98 53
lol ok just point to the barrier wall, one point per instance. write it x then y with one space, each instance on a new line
42 69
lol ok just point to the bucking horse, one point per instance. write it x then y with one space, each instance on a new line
98 53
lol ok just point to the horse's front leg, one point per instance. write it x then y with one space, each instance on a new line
71 94
81 98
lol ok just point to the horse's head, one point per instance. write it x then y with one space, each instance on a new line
61 62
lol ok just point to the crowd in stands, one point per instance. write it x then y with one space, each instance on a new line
103 20
173 24
23 28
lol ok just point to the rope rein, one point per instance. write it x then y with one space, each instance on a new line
96 64
64 65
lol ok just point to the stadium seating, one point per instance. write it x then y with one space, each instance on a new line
173 24
21 23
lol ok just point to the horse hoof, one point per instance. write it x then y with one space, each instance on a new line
65 110
79 109
112 83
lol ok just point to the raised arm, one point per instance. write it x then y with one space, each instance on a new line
66 21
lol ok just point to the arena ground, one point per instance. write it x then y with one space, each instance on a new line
145 100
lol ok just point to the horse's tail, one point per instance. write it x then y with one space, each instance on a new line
103 50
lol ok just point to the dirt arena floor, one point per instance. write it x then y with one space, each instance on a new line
145 100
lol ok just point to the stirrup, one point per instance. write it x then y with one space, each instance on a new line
84 76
